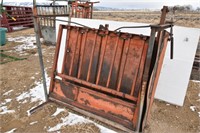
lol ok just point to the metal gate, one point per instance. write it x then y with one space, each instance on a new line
105 74
15 16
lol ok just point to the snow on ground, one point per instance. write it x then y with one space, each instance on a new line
27 43
195 81
58 111
6 101
32 123
73 119
7 93
193 108
4 108
37 94
11 131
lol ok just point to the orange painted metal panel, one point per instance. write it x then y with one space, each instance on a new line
103 72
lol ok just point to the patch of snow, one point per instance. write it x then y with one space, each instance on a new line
58 111
199 94
11 131
22 96
104 129
199 114
193 108
6 93
25 101
32 123
73 119
6 101
36 93
32 77
28 42
195 81
19 28
5 110
167 104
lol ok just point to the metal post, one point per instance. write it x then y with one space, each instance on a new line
54 12
36 28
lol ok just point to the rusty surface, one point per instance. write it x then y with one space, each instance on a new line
82 9
23 16
103 71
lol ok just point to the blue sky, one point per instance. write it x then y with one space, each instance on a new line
152 4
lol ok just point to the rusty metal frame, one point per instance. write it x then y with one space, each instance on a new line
17 16
82 9
96 97
83 86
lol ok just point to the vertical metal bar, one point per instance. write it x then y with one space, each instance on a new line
82 54
51 18
164 10
137 72
101 60
149 54
146 76
112 62
73 56
155 74
54 68
48 20
79 52
92 55
43 17
120 61
172 43
36 28
54 12
66 46
123 67
91 10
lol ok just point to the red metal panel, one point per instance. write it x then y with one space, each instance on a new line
103 72
17 16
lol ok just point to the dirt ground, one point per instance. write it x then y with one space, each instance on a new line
17 77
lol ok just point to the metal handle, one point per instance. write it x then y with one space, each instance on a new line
172 48
172 43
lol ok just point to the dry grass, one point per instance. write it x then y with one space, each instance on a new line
181 19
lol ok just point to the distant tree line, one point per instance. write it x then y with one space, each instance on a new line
184 8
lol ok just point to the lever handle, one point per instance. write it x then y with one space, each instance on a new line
172 43
172 48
